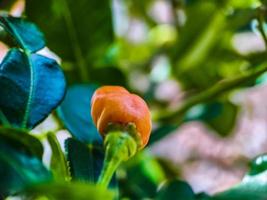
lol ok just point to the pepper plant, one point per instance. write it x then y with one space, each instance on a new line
106 154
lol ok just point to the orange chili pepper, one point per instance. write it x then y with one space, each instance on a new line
114 104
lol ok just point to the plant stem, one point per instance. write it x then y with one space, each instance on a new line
214 91
77 51
261 22
108 170
119 146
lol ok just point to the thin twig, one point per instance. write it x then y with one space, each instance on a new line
222 86
75 42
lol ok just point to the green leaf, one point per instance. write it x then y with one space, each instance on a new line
219 115
251 188
70 191
245 4
258 165
58 163
204 112
78 31
143 175
26 34
85 161
226 120
22 140
75 113
177 189
206 36
32 86
208 21
19 169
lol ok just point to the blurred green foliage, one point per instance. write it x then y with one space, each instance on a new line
122 42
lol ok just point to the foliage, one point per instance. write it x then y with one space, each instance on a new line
95 48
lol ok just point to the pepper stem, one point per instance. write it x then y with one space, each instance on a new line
119 146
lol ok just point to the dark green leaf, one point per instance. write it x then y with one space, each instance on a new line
258 165
85 161
70 191
31 87
26 34
78 31
19 169
204 112
175 189
219 115
75 112
226 120
22 140
143 175
58 163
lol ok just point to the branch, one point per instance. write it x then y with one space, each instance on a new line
75 42
219 88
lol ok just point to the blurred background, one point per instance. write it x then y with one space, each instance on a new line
169 52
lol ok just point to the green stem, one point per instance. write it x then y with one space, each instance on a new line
119 146
261 25
107 172
75 42
213 92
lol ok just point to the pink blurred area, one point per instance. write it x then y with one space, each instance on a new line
18 8
3 51
211 163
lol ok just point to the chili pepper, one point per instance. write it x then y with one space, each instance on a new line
115 105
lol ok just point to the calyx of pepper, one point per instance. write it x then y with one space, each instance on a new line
129 129
121 143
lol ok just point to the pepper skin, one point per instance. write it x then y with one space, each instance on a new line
115 105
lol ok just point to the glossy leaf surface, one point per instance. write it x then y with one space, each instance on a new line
31 87
85 162
26 34
19 167
75 112
175 188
